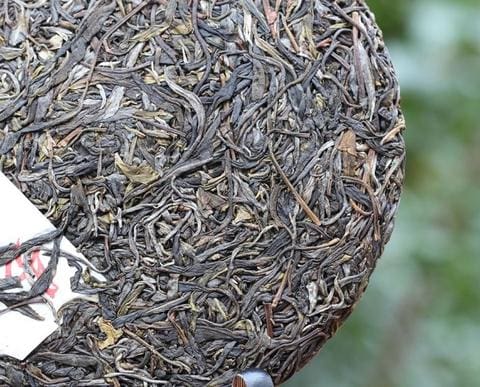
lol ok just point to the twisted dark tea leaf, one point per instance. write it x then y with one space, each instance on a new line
233 169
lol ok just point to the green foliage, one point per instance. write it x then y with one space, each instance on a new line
418 322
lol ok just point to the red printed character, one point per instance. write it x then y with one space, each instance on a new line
36 266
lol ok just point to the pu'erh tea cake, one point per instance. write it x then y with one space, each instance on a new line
231 168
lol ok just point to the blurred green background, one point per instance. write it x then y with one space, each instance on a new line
419 321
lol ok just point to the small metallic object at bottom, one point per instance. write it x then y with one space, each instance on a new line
253 377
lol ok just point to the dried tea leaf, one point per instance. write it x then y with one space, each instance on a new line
9 53
112 334
259 82
113 102
348 143
56 42
143 174
312 288
242 215
182 29
20 31
149 33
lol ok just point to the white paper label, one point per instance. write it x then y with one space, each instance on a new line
20 221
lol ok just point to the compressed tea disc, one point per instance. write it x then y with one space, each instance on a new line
233 168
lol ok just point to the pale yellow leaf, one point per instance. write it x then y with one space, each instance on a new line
112 333
143 174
